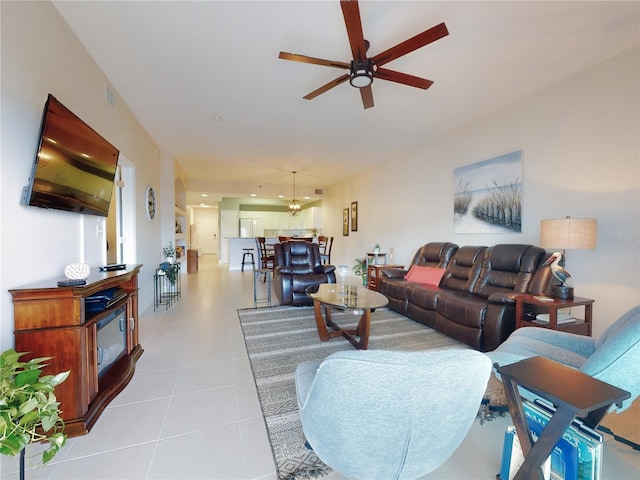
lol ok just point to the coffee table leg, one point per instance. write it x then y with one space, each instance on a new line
364 327
362 330
323 333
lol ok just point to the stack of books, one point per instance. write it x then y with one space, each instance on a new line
576 456
543 318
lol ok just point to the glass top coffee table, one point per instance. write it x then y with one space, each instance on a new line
357 299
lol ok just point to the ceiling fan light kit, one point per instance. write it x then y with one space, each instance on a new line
361 74
363 69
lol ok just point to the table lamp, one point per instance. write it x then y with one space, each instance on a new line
568 233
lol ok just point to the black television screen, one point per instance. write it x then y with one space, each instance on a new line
74 167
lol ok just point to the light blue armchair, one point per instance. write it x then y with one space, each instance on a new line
614 357
372 414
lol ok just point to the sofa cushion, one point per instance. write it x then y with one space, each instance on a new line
423 296
464 268
508 268
462 308
425 275
435 254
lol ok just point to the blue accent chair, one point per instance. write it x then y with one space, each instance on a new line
614 357
374 414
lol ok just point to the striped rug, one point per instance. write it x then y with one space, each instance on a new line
280 338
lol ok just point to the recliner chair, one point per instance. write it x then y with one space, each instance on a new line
297 267
375 414
614 357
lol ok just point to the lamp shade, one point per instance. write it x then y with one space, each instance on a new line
569 233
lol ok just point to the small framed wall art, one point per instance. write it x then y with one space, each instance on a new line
345 222
150 202
354 216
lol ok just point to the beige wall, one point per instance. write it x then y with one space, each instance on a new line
580 142
40 55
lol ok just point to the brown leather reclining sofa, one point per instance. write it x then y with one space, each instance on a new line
474 301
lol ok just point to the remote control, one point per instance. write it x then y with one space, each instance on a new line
113 266
71 282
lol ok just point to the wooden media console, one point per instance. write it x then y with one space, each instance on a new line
97 343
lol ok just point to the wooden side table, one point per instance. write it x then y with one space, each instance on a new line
575 394
373 271
580 326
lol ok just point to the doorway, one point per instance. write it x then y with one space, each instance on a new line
204 231
121 220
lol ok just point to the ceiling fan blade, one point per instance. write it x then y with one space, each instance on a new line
367 97
333 83
403 78
352 21
316 61
414 43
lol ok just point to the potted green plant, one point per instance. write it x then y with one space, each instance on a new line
360 269
169 252
29 411
169 270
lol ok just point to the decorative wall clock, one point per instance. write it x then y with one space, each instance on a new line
150 201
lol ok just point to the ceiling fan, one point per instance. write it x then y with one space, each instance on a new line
363 69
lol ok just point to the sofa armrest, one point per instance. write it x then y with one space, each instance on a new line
325 269
506 298
282 270
394 272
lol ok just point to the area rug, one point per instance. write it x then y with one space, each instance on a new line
280 338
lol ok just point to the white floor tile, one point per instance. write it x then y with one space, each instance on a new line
127 463
147 386
214 453
197 411
258 460
123 426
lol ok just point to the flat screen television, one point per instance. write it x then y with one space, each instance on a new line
74 168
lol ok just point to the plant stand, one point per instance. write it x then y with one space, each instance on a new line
167 285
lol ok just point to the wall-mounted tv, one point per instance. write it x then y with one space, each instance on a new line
74 168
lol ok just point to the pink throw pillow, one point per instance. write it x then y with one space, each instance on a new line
427 275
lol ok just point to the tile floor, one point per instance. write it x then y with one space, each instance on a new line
191 410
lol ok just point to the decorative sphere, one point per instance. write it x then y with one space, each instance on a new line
77 271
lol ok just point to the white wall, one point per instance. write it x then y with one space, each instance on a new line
580 140
41 55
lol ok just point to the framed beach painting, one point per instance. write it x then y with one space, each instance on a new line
488 195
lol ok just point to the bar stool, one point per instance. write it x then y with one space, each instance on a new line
248 252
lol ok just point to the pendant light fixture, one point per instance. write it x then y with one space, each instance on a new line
294 205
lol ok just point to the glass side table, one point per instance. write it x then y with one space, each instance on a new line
257 273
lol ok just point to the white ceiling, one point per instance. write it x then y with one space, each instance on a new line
177 64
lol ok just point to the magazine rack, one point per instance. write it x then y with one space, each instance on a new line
574 393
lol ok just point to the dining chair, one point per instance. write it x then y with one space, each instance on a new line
325 254
267 254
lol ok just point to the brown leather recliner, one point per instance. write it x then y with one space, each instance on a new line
297 267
